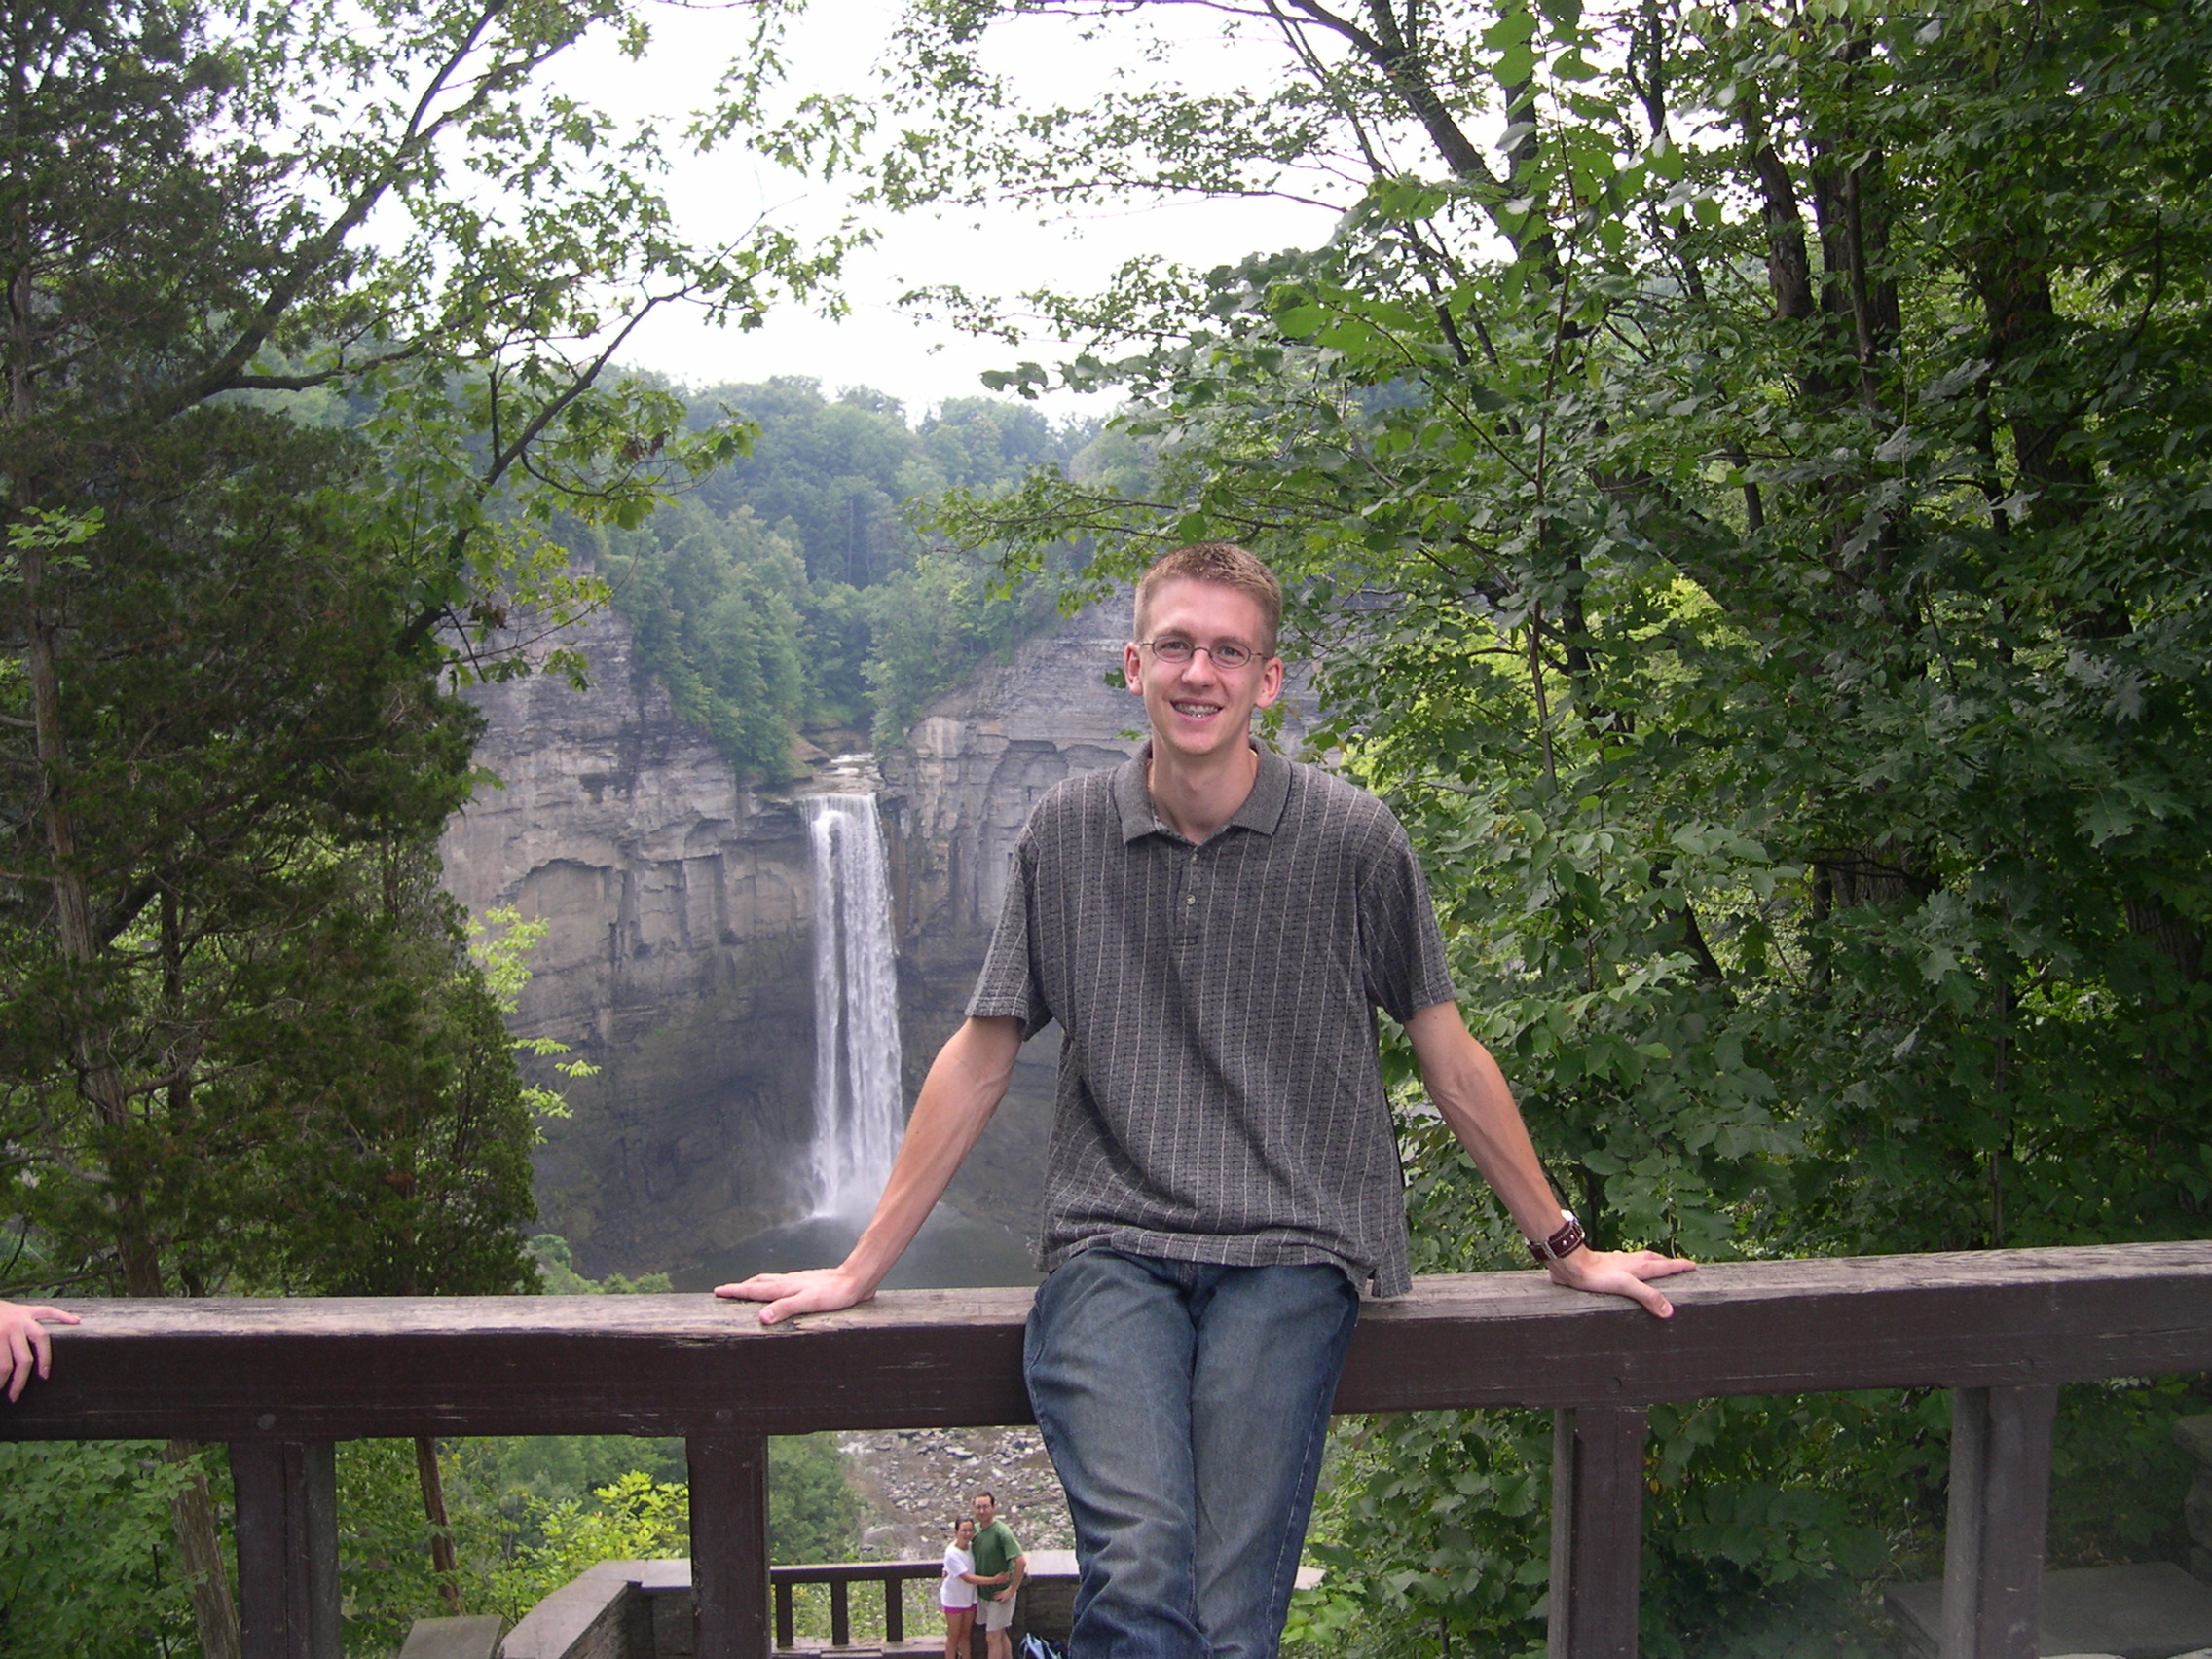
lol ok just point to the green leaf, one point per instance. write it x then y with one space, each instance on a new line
1516 25
1516 64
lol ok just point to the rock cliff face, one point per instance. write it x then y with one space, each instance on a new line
676 959
678 954
973 765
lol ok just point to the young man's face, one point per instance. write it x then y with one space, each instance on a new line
985 1509
1199 709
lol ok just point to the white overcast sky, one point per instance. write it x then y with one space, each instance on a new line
836 45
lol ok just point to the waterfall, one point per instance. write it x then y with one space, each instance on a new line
859 1113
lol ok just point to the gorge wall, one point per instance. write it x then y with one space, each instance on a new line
675 958
678 957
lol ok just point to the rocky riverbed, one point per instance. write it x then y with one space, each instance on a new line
914 1483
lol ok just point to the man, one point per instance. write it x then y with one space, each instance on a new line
1213 928
996 1557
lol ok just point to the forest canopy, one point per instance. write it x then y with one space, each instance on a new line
1741 476
793 588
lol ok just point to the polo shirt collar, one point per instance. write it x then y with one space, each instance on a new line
1263 808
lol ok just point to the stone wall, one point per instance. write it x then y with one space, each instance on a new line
676 958
973 766
679 954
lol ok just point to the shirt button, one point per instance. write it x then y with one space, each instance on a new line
1191 899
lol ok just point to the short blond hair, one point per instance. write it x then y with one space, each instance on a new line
1223 564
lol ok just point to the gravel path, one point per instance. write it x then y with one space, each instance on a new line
914 1483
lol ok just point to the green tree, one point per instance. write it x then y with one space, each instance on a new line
936 621
884 619
812 1513
87 1551
1740 480
263 477
715 607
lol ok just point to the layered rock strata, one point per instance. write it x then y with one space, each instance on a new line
678 957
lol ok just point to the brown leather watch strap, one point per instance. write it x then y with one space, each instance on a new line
1564 1243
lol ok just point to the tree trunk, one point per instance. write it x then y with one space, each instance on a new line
199 1552
442 1558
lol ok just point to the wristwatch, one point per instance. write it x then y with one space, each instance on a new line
1564 1243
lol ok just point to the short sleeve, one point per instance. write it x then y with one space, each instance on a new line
1401 946
1009 986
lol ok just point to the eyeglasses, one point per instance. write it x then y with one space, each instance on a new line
1228 654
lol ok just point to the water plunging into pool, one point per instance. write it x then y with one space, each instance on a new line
859 1113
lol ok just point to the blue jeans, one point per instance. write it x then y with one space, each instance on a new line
1185 1407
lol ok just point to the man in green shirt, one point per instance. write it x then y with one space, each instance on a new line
999 1565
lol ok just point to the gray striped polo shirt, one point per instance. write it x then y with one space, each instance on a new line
1220 1099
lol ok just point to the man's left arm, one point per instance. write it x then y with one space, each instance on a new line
1016 1571
1471 1092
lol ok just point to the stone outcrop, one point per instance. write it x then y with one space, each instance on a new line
678 958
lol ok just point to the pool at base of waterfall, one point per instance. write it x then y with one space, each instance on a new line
952 1251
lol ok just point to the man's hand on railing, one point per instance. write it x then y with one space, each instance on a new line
23 1335
1621 1273
813 1290
957 1099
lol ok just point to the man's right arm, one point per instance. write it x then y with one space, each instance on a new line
963 1087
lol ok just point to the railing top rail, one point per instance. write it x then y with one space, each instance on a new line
358 1368
854 1571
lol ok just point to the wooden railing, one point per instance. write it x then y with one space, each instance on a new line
841 1577
281 1380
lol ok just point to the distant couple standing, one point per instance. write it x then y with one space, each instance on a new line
981 1562
1213 928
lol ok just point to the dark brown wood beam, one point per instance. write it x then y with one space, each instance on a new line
287 1542
730 1545
1993 1539
1596 1532
688 1365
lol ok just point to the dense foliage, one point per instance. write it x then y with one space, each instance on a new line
1742 476
789 590
88 1554
1753 524
307 313
529 1514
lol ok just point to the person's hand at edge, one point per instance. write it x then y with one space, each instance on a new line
23 1335
813 1290
1621 1273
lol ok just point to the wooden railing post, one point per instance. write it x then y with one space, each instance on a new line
1994 1538
287 1536
1596 1532
730 1545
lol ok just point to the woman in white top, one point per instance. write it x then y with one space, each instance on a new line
956 1593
